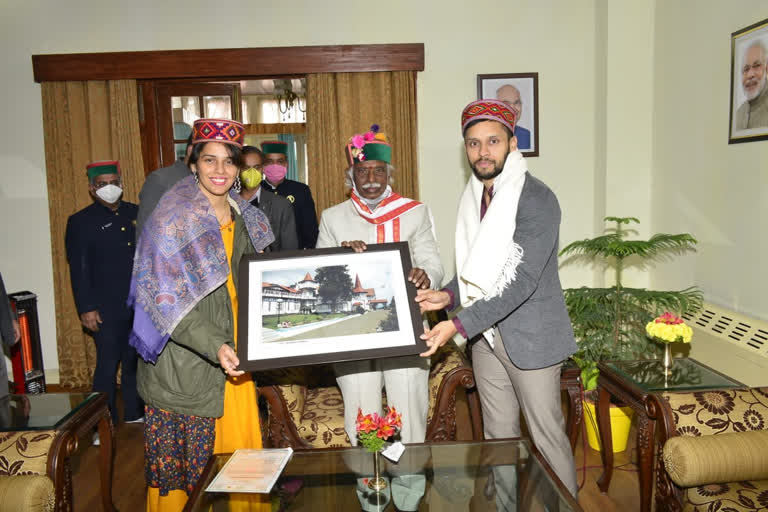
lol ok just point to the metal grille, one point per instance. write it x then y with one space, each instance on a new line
748 333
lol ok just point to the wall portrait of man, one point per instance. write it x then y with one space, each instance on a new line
520 91
749 84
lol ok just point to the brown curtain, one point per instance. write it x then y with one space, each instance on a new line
343 104
83 122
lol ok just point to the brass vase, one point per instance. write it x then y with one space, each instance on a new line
668 361
377 483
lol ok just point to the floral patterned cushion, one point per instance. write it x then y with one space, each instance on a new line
25 453
718 411
322 422
704 413
730 497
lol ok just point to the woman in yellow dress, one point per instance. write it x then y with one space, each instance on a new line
197 402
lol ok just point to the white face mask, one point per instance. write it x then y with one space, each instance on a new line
109 193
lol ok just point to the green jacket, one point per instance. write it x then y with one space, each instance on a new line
187 378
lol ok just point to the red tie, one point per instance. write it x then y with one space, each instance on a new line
486 201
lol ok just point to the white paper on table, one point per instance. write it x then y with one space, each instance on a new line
394 451
251 471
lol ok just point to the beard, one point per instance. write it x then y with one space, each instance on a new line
485 174
757 90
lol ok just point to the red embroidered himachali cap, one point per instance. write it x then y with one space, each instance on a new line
218 130
491 110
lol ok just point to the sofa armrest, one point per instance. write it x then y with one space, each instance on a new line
722 458
669 496
281 426
449 369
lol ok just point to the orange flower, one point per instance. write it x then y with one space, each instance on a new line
367 423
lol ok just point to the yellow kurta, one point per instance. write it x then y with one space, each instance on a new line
239 427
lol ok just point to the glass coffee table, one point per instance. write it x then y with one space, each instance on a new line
60 420
632 382
482 475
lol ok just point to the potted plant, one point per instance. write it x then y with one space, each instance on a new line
609 323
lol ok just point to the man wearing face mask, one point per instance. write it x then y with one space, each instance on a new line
275 170
374 214
277 208
100 243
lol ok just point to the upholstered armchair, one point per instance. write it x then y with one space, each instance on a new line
24 477
306 409
712 451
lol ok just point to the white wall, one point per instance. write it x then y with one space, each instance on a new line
702 185
554 38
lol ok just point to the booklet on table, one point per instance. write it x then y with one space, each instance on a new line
251 471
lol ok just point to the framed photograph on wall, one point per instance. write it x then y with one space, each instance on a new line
326 306
749 92
521 92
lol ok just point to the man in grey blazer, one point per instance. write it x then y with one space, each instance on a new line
513 310
278 209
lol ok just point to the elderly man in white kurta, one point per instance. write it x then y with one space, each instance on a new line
375 214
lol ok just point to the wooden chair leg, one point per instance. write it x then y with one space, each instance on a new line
475 414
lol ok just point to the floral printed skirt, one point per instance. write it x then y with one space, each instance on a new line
176 449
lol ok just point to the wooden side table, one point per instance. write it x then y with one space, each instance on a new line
632 382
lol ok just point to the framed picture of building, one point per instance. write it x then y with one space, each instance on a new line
749 92
326 305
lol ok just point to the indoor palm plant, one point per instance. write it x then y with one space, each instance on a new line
609 323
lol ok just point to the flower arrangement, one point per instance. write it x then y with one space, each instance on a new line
373 430
669 328
360 140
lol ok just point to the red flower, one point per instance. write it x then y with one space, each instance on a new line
367 423
669 319
394 418
385 431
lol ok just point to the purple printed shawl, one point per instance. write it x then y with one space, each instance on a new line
179 260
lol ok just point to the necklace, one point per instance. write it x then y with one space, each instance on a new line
225 223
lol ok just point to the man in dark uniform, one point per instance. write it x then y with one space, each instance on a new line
275 169
278 209
100 242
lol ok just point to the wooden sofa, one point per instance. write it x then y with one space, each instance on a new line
712 450
306 410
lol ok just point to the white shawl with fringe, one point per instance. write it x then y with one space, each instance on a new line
486 253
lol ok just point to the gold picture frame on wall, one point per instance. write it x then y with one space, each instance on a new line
521 92
748 121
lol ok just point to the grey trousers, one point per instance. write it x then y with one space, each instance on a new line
505 389
406 382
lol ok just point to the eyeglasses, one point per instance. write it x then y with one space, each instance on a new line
103 184
362 172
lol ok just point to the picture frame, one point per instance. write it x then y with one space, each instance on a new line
748 120
522 88
321 306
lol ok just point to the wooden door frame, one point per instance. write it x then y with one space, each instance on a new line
223 64
163 91
228 63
